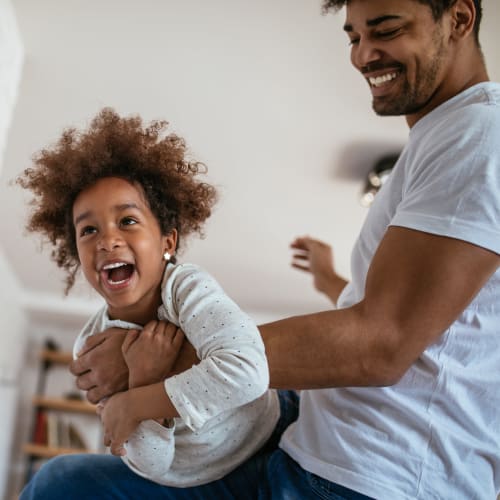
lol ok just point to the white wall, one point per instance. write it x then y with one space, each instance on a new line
12 319
12 350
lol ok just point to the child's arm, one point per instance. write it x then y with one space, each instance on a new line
233 372
123 412
146 445
233 369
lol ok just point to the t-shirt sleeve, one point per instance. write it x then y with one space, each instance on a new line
453 188
233 369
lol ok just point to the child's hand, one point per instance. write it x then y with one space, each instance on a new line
118 421
151 353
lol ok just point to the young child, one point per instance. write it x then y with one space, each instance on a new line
116 200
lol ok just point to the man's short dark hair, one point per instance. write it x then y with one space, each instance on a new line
438 8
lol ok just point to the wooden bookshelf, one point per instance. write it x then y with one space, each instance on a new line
56 357
53 433
64 404
43 451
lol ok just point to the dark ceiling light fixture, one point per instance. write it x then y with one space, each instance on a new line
377 177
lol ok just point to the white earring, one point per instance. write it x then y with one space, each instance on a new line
167 256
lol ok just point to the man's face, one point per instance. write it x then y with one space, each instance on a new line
401 51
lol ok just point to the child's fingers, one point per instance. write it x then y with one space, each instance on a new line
150 328
118 449
167 330
106 439
130 338
178 338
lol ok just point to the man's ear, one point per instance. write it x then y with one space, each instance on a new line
463 16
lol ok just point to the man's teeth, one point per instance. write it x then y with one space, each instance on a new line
380 80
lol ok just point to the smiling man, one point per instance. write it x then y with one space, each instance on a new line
400 390
421 317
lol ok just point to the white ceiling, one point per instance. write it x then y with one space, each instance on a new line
264 94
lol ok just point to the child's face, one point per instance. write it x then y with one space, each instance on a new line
120 247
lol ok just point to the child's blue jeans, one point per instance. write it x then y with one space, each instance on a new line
270 473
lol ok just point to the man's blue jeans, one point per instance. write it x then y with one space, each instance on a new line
270 473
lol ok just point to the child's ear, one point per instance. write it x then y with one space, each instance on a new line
170 242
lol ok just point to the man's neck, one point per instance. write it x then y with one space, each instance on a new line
470 72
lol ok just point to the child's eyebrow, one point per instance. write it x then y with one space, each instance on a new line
373 22
81 217
117 208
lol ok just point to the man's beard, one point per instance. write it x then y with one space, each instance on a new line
411 100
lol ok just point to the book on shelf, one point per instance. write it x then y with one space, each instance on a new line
52 430
57 431
40 433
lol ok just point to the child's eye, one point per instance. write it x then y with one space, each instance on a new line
87 230
128 221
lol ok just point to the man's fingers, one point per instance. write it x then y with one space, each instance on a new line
300 256
301 242
85 381
77 368
95 394
92 342
301 267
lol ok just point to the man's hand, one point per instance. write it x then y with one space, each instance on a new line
316 257
100 368
151 352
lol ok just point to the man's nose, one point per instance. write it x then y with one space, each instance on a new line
364 53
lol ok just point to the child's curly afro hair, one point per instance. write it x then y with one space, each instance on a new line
114 147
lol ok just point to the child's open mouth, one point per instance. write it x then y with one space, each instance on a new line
117 273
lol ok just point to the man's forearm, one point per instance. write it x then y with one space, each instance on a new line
329 349
295 359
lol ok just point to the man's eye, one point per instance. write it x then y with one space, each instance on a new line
353 41
389 33
87 230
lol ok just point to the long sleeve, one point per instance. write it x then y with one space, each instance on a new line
151 447
233 370
150 450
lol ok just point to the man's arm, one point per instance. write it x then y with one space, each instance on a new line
417 285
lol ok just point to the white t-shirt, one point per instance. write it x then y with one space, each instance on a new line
436 433
226 412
